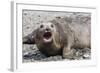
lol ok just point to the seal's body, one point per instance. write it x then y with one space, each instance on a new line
60 35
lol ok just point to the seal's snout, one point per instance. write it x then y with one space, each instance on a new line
47 29
47 33
47 36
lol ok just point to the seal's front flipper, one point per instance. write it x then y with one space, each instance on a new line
29 39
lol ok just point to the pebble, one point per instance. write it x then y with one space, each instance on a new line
86 55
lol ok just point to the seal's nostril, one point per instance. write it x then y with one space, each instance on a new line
47 29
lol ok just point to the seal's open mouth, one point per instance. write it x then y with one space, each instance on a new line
47 35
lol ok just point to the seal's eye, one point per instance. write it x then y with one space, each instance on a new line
52 26
41 26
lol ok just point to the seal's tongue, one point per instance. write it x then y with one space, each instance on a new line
47 35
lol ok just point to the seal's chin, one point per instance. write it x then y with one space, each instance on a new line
47 37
